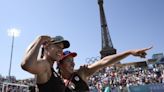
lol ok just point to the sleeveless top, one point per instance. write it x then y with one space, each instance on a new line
54 84
76 84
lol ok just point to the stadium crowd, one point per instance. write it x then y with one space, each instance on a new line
119 79
110 79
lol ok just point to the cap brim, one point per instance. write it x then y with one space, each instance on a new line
65 43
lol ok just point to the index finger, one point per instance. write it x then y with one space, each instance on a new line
145 49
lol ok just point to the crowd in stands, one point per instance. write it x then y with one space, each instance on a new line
110 79
113 79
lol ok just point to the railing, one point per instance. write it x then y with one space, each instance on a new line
13 87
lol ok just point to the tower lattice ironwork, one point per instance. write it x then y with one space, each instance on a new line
107 46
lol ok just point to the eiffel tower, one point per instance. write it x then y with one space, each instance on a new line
107 46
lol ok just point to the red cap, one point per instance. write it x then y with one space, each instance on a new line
68 53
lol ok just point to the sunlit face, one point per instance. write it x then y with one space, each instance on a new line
55 51
68 64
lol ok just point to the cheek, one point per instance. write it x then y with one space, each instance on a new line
53 49
64 65
50 51
67 65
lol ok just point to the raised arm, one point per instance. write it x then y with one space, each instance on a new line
109 60
30 62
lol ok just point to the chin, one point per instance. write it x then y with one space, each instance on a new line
71 70
57 59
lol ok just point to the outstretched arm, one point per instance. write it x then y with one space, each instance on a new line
109 60
29 62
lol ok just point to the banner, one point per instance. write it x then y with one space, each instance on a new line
147 88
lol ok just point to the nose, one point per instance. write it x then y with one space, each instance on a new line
73 63
60 51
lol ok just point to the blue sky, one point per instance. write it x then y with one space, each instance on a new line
132 24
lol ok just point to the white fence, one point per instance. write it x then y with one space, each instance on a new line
13 87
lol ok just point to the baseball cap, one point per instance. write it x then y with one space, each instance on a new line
60 39
68 53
